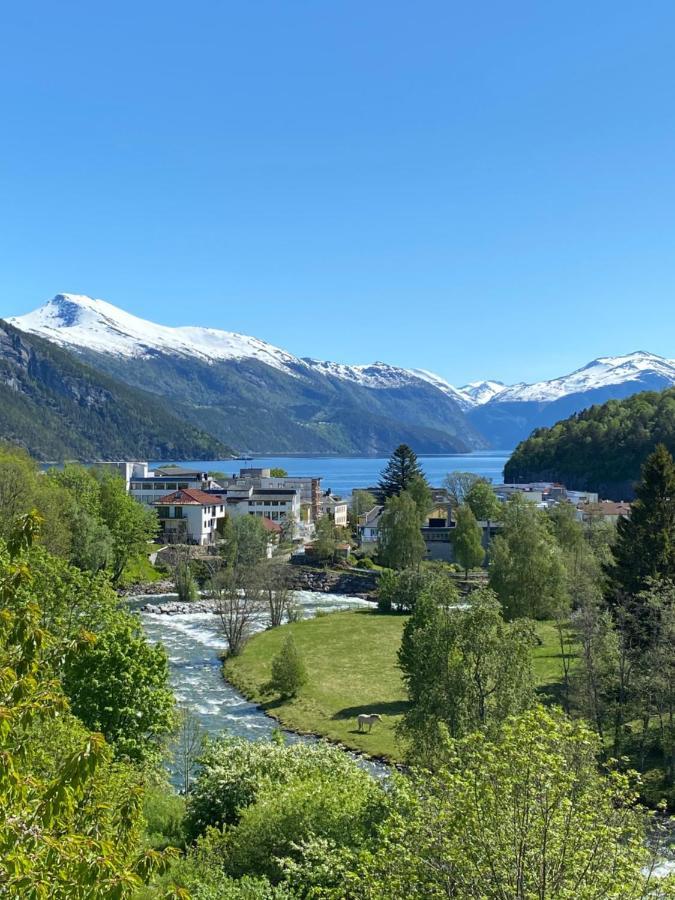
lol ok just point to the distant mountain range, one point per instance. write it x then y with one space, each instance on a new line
262 399
58 408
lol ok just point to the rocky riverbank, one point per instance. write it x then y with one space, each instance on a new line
354 583
350 583
165 586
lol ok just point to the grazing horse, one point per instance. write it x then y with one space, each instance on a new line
368 720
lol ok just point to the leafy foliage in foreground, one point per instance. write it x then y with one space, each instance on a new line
526 815
70 819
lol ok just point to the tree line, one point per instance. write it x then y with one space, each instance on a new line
600 449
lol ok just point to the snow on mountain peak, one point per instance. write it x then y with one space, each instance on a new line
81 322
78 321
480 392
601 372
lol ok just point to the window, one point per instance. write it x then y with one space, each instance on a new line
182 485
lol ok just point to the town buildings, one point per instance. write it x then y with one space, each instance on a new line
189 516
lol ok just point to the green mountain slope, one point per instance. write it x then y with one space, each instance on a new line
57 407
262 410
600 449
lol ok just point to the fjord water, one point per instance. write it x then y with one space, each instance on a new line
342 474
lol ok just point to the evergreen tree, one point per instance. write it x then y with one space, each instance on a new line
401 545
288 670
645 544
399 471
468 539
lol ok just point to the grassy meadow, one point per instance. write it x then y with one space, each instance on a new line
351 662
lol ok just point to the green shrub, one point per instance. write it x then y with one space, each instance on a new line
288 670
163 811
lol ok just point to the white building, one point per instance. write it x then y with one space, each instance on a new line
189 516
277 505
148 486
336 509
308 487
368 526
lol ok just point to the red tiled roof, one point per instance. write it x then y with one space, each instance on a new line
269 525
189 497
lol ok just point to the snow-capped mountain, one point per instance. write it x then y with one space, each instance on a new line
255 396
82 322
95 325
313 405
479 392
601 373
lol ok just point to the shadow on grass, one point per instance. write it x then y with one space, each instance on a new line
551 693
390 708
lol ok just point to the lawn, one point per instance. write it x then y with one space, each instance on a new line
351 662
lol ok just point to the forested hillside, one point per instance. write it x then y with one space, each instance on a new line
58 408
600 449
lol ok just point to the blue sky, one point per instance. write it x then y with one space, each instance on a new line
481 189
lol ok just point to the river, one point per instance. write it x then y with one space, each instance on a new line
194 643
344 473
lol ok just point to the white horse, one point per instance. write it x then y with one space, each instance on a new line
369 720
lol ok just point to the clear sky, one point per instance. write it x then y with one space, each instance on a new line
481 189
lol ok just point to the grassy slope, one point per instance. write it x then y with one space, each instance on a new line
351 662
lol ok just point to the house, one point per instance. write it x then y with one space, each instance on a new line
528 492
336 509
273 530
604 510
189 516
367 527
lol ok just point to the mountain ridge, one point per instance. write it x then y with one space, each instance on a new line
58 408
262 398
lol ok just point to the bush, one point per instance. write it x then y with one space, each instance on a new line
184 582
367 563
233 770
342 810
288 670
163 811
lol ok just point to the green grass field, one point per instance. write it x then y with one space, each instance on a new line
351 663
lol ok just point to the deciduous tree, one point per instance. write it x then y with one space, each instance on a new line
464 668
527 813
526 566
401 544
467 538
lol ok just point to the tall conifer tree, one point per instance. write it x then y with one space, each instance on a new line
645 544
401 469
